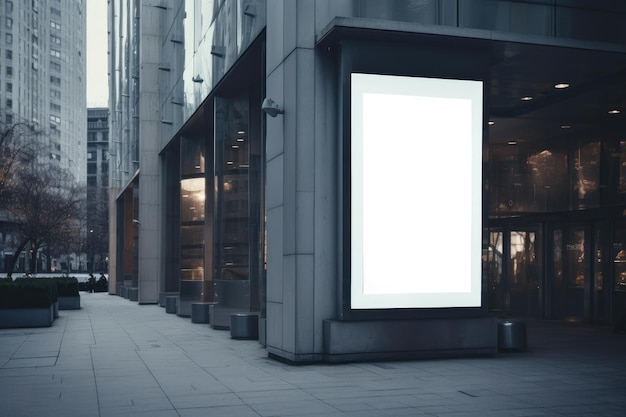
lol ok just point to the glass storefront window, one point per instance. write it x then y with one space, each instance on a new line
232 170
192 200
192 213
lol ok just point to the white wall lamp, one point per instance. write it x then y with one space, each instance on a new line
271 108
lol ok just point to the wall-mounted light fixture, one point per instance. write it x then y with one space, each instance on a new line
197 79
271 108
218 51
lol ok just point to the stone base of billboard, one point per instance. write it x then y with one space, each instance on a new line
349 341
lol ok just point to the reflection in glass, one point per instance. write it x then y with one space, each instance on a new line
232 172
192 199
494 272
524 273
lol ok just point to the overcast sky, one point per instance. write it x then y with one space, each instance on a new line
97 77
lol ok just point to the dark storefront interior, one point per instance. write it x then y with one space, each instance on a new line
557 184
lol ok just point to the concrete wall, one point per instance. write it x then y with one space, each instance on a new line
301 186
149 145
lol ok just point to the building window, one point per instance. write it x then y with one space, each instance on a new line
55 66
9 71
9 39
91 137
55 12
55 107
9 54
55 119
55 40
55 93
55 80
9 6
55 25
92 168
9 119
9 104
9 87
9 23
55 53
90 155
105 136
104 168
105 155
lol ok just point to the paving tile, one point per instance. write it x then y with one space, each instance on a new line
116 358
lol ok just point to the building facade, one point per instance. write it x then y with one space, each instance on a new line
370 179
97 188
43 86
42 79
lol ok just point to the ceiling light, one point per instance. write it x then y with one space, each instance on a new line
527 98
240 139
229 162
491 123
565 126
614 111
241 132
235 146
561 86
512 142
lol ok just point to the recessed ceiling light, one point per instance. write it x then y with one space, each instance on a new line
561 86
614 111
491 123
527 98
565 126
512 142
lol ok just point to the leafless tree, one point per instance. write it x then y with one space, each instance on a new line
45 202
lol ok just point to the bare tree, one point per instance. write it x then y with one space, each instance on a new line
17 146
45 201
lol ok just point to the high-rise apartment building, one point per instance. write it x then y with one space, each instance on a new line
42 75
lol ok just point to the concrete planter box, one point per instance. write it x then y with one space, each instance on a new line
26 317
69 303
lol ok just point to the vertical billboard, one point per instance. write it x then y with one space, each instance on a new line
416 192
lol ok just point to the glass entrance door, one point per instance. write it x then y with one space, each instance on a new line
570 272
514 273
525 273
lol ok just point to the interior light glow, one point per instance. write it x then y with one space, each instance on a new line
491 123
240 139
512 142
241 132
229 162
235 146
614 111
526 98
565 126
561 86
397 241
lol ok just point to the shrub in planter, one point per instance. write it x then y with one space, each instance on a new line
28 293
67 286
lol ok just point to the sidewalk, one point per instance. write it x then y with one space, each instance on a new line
117 358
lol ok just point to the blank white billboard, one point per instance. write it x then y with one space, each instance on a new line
416 200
